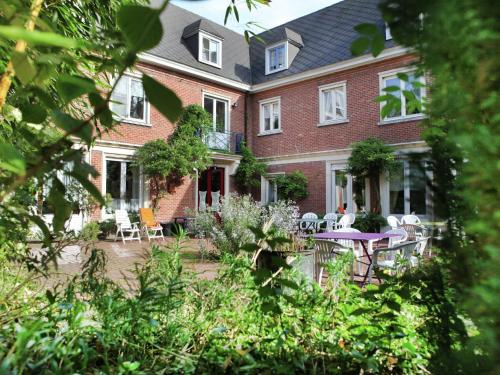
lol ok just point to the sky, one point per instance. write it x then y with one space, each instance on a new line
277 13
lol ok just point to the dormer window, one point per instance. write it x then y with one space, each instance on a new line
210 51
277 58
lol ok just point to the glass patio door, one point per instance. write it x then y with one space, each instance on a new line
123 184
347 195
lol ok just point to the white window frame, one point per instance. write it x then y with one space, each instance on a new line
403 117
268 60
336 120
142 183
331 204
264 187
388 35
211 38
262 103
228 108
130 76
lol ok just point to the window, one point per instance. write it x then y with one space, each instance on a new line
218 109
269 188
123 185
388 35
129 100
392 84
347 195
270 116
408 189
332 104
276 58
210 50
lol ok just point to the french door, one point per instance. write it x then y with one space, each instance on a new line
123 184
219 111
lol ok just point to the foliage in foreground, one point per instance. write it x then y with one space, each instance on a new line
173 322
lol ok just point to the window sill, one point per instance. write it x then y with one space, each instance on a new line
210 63
401 119
133 122
275 71
271 132
335 122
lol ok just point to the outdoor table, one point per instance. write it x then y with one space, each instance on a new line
356 236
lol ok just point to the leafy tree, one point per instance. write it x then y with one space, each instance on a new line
369 159
166 163
292 186
249 171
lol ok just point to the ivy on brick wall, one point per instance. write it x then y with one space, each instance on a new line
292 186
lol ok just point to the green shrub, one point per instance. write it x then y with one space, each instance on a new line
106 228
249 171
292 186
370 222
90 231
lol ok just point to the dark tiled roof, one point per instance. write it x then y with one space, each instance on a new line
324 38
173 47
327 36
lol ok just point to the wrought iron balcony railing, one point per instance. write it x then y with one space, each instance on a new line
224 141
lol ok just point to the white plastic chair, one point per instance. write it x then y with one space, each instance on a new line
308 225
344 222
352 218
215 201
123 225
402 236
410 219
331 221
394 258
203 200
393 222
358 253
326 251
419 250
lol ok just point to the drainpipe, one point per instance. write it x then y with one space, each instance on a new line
245 121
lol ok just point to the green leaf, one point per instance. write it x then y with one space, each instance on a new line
71 87
61 206
236 14
42 225
391 88
11 159
39 37
73 126
88 185
366 29
378 44
23 67
360 45
162 98
34 113
140 26
228 12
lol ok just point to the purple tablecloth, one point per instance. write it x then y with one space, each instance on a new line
352 236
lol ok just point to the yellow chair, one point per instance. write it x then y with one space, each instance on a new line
150 226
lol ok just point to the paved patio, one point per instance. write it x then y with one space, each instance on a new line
123 258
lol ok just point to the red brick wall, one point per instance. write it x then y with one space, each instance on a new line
316 184
190 91
300 114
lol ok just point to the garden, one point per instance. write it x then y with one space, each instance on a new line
259 314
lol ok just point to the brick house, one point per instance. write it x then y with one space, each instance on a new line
298 98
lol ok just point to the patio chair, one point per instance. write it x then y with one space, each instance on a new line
331 221
123 225
395 259
326 251
352 218
393 222
344 222
150 226
350 244
410 219
420 251
309 225
402 236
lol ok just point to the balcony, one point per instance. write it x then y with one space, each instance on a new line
229 142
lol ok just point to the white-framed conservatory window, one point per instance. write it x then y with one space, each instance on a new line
391 83
332 103
270 116
129 102
277 58
210 50
408 190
